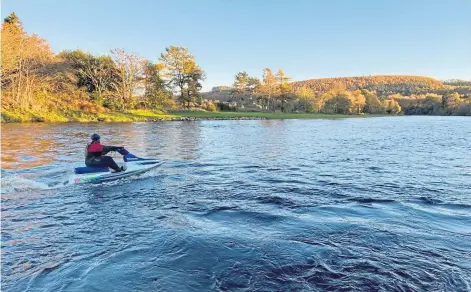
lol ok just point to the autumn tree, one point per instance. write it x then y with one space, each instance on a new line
305 96
253 84
336 102
182 72
358 101
284 87
239 87
268 89
372 103
464 109
244 86
194 87
97 73
23 65
451 102
155 88
130 68
392 107
317 102
432 104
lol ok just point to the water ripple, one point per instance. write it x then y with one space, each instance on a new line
347 205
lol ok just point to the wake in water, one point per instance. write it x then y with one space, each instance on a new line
38 178
59 178
11 184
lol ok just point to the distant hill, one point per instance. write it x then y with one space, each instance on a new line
382 84
220 95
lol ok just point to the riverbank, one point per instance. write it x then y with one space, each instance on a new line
259 115
82 116
153 116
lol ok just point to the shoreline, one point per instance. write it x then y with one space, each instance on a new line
151 116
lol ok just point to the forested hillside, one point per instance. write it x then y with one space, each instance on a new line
392 94
382 84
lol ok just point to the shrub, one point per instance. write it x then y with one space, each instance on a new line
209 106
169 104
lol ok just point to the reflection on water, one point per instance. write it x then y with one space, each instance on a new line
25 147
380 204
32 145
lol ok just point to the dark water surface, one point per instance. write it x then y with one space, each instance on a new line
378 204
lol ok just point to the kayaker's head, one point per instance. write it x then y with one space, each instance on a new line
95 138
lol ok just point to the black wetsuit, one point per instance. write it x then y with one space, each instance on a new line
95 156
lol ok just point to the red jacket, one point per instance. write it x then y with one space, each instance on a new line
95 149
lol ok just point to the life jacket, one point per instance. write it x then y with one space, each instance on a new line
94 149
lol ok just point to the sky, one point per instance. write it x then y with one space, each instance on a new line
306 38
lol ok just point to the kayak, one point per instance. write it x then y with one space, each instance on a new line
134 165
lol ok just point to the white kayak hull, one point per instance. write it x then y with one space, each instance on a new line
132 168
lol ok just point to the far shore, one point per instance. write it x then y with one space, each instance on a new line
156 116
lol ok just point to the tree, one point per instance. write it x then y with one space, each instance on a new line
209 106
97 73
464 108
372 103
129 70
392 107
268 89
13 20
305 95
155 88
432 104
244 87
23 64
284 87
451 102
358 101
317 102
240 86
182 71
337 102
253 84
194 87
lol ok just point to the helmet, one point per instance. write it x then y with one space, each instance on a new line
95 137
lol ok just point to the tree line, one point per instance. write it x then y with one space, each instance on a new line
35 78
411 95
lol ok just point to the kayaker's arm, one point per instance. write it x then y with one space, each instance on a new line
107 149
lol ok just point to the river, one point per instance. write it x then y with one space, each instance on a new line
361 204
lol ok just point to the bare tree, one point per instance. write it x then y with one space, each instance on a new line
99 70
130 70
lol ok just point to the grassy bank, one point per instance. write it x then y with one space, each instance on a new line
81 116
145 115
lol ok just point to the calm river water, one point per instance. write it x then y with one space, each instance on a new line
376 204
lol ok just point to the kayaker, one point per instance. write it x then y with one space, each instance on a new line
95 155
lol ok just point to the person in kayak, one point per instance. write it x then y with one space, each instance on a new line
95 155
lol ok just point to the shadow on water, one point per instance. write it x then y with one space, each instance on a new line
345 205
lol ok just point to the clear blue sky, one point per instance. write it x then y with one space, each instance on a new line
306 38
